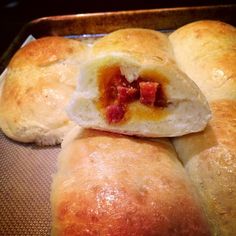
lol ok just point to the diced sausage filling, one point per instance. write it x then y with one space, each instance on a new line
148 92
119 93
115 113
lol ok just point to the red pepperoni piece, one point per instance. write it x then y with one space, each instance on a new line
148 92
115 113
126 94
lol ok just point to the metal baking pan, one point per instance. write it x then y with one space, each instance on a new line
25 169
100 23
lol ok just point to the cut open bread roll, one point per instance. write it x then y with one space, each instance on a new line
38 85
130 84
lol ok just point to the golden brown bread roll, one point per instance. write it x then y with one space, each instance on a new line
206 51
39 82
131 85
110 184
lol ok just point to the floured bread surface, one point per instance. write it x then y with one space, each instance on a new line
130 84
39 82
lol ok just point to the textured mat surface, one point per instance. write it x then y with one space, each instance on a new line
25 182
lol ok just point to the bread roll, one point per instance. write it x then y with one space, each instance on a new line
131 85
110 184
206 51
38 85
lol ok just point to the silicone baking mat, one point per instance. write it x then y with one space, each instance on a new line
25 180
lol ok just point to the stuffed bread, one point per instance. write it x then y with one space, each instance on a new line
131 85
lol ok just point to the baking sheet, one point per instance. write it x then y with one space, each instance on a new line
99 23
25 180
25 169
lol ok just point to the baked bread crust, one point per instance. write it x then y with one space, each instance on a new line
110 184
206 51
38 85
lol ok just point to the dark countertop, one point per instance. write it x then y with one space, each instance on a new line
16 13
